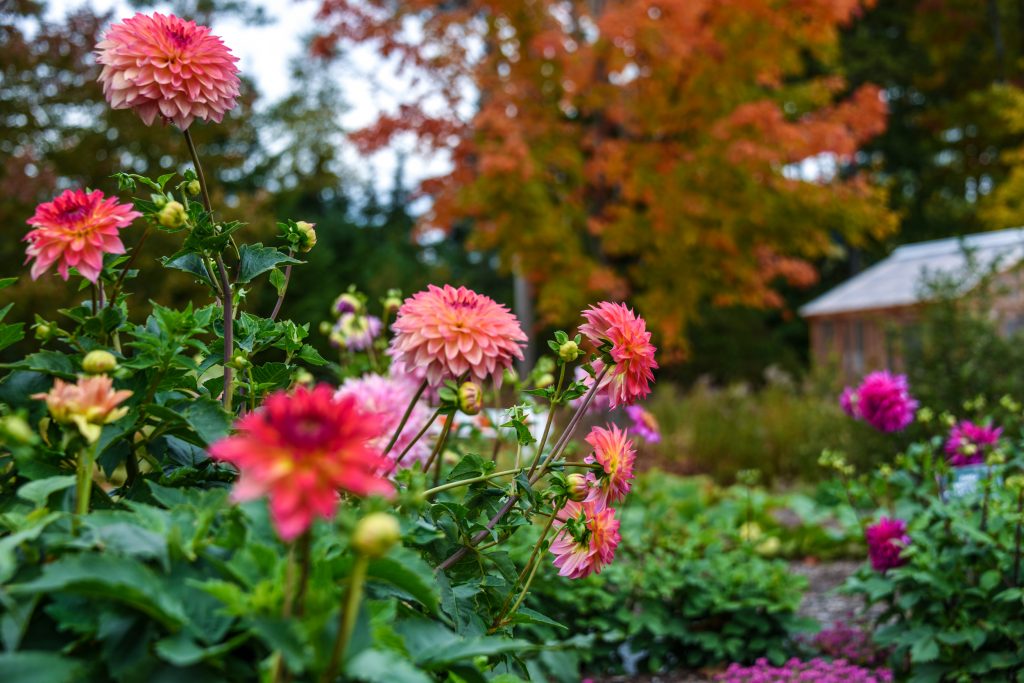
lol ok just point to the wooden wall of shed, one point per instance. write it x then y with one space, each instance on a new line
859 342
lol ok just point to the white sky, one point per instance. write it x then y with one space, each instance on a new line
369 84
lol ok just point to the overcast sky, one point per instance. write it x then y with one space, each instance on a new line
370 84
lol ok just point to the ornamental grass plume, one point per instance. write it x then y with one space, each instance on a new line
89 404
614 452
644 424
386 398
75 230
886 540
168 66
882 400
969 443
625 336
299 450
585 539
448 333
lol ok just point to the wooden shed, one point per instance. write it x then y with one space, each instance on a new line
868 322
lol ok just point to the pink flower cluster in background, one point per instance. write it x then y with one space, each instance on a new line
886 540
969 443
795 670
386 398
849 641
882 400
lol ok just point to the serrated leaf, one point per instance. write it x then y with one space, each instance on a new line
311 356
190 263
409 573
256 259
924 650
209 420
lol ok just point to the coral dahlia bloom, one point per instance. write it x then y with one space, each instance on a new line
386 398
886 539
168 66
615 453
969 443
585 539
629 379
75 230
447 333
89 404
882 400
299 449
645 425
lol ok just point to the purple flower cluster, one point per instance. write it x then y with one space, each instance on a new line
969 443
851 642
817 670
886 540
882 400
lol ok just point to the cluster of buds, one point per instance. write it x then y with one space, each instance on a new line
836 461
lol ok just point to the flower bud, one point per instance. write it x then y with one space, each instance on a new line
240 362
15 428
304 377
44 331
307 235
569 351
99 362
510 376
577 487
173 215
160 201
545 380
194 188
325 328
375 534
471 398
392 304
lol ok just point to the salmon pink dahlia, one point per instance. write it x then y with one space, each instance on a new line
168 66
448 333
618 329
585 539
89 403
615 454
299 450
75 230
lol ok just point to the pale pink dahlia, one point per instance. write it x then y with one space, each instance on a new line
75 230
386 398
886 540
645 425
168 66
969 443
448 333
614 452
882 400
299 450
617 329
585 539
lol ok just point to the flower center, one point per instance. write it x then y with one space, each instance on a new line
73 214
180 39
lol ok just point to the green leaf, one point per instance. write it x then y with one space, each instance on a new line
525 615
209 420
39 491
278 281
39 667
257 259
6 282
924 650
408 572
9 544
311 356
190 263
51 363
469 467
10 334
375 666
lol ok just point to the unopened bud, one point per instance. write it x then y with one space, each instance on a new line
173 215
194 188
569 351
545 380
577 486
240 362
375 534
43 331
304 377
99 362
307 235
16 429
471 398
392 304
160 201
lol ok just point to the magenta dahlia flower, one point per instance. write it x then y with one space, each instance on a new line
168 66
616 327
386 398
75 230
969 443
882 400
448 333
645 425
585 539
614 452
299 450
886 540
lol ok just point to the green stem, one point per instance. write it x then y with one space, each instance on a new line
348 617
405 417
528 569
551 414
83 482
449 419
252 388
284 290
474 480
419 435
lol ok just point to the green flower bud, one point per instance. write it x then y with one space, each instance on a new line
16 429
240 362
392 304
307 235
44 331
471 398
160 201
173 215
545 380
99 362
304 377
194 188
375 534
569 351
577 487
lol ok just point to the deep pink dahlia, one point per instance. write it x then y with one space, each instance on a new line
969 443
75 230
630 378
299 450
448 333
168 66
386 398
616 455
883 400
886 539
585 539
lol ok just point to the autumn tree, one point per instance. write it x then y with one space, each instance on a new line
634 149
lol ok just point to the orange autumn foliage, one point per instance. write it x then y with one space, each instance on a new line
634 149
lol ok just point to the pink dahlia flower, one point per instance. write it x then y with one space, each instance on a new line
882 400
89 403
886 539
645 425
969 443
299 449
75 230
585 539
168 66
447 333
615 453
617 328
386 398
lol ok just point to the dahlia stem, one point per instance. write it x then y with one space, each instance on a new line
284 290
405 417
348 617
83 482
551 414
528 568
305 544
563 440
475 480
419 435
438 448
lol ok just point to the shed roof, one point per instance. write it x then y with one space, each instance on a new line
897 280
